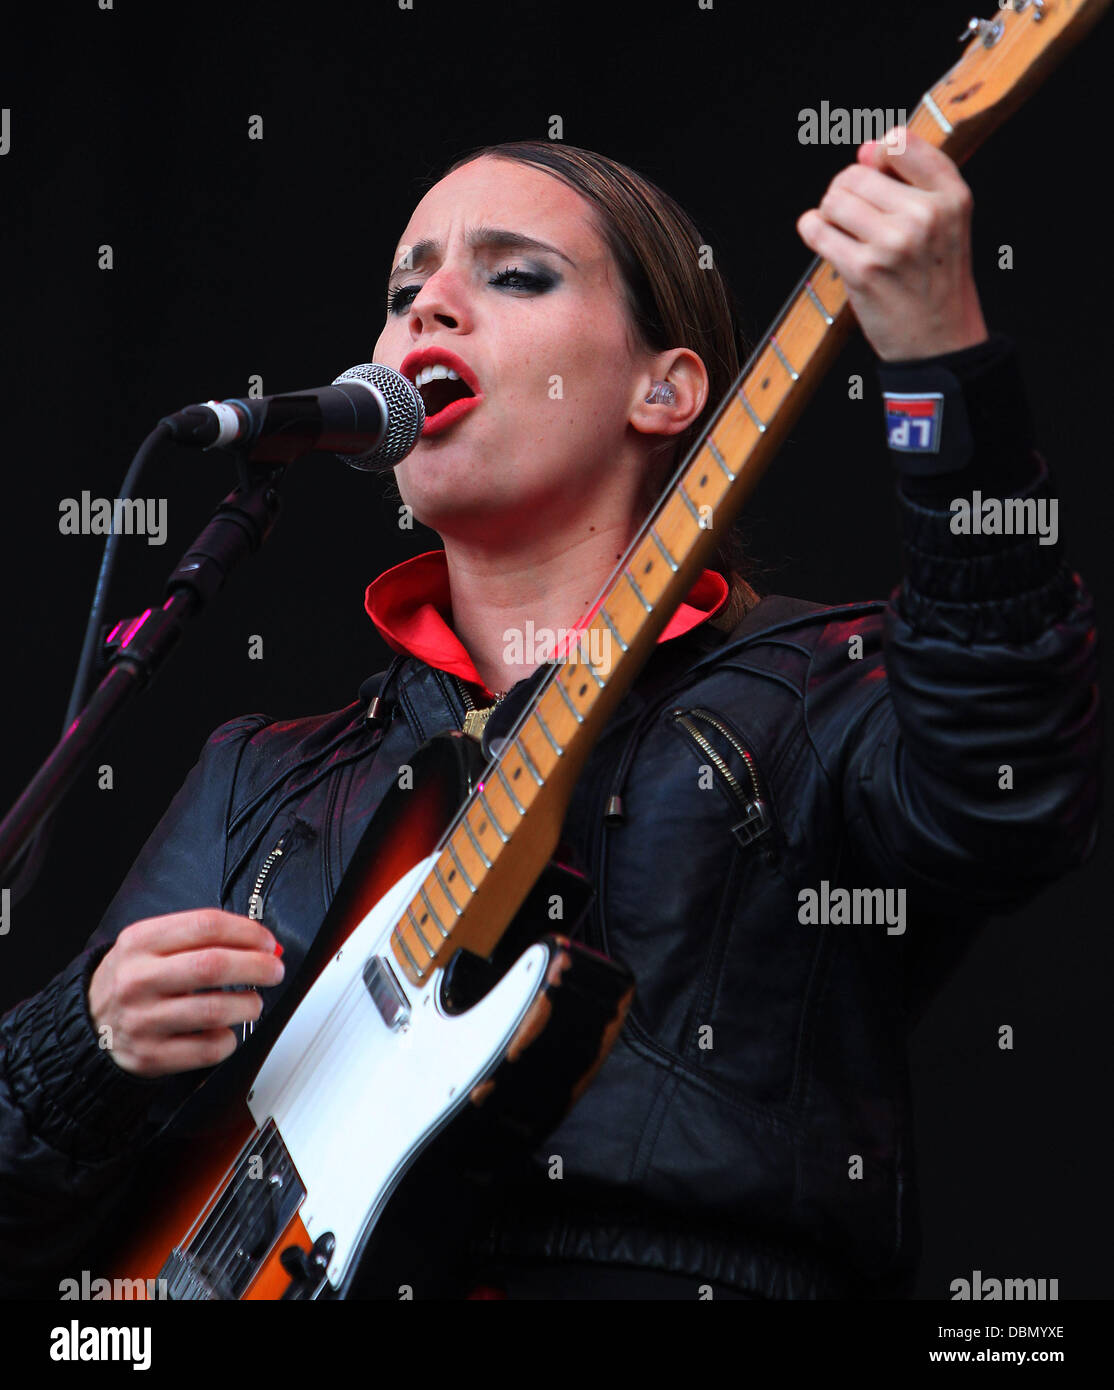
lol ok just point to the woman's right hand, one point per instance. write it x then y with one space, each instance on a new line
157 989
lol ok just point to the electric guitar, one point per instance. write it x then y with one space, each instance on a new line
429 1017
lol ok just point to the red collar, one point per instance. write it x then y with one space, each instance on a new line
410 605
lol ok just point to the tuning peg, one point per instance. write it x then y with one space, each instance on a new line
989 30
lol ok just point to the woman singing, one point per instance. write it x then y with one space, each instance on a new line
749 1134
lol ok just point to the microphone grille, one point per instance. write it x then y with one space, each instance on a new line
405 416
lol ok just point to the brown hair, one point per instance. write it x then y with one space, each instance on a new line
673 301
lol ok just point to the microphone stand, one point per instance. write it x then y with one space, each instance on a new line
137 647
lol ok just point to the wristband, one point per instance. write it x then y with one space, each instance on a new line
943 412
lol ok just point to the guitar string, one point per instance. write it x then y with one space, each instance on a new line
213 1211
336 1022
216 1215
233 1189
217 1263
214 1231
221 1259
218 1244
296 1094
211 1205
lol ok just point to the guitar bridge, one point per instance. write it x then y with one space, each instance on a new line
185 1281
229 1248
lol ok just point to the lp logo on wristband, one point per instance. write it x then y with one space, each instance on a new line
913 421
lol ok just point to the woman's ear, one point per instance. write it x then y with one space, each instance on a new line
670 394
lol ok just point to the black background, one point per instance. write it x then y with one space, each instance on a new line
236 257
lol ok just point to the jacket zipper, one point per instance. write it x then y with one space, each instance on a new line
255 902
756 816
255 912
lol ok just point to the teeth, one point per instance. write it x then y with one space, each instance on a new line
438 372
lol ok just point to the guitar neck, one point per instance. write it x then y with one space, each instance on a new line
499 842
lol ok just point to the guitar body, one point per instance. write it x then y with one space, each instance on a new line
377 1096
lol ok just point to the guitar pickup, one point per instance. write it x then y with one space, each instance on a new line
386 993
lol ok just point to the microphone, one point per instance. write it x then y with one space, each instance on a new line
370 417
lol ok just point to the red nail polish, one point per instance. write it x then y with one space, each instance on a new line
278 948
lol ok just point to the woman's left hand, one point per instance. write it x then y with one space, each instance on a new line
897 227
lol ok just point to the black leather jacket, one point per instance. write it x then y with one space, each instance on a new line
763 1053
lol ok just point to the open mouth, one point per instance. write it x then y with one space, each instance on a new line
439 386
446 384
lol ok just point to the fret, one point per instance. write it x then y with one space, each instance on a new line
687 500
834 288
568 701
498 828
420 934
429 908
528 760
437 874
614 630
639 595
665 555
750 410
599 680
460 868
817 304
715 453
545 730
781 357
401 941
518 806
484 860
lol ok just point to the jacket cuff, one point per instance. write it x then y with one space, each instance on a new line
72 1093
959 420
967 582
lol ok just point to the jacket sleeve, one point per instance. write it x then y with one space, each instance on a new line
72 1123
968 769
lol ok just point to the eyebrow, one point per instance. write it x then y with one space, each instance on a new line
485 238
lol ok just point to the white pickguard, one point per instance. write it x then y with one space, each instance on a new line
354 1100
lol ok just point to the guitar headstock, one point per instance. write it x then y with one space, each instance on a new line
1005 57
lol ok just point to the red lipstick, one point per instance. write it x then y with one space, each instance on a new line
445 418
